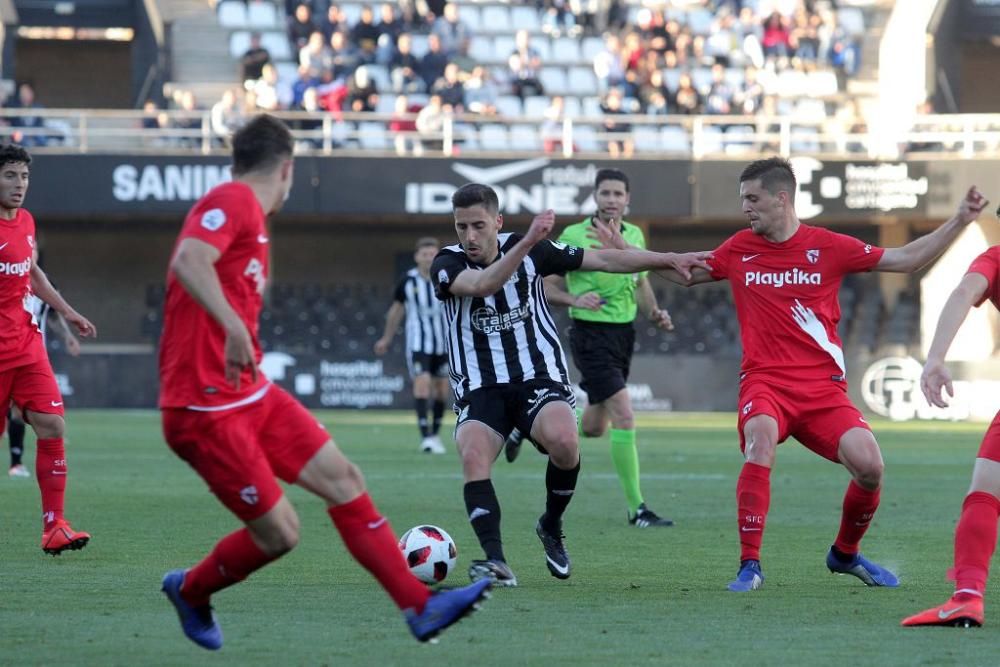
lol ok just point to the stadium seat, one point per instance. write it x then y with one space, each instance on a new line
239 42
554 80
585 138
535 106
470 15
674 139
671 78
711 139
386 103
372 135
808 108
262 15
700 21
792 83
418 45
287 71
821 83
524 18
701 79
277 45
380 75
647 139
738 139
805 140
503 46
509 105
582 81
493 137
351 13
590 47
481 49
852 20
565 51
571 107
591 108
543 46
496 18
232 14
524 138
735 77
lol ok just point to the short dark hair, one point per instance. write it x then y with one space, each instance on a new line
610 175
426 242
14 154
774 173
476 194
261 144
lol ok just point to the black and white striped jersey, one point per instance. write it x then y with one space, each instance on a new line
424 325
508 337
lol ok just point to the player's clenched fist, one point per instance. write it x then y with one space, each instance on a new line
541 226
972 205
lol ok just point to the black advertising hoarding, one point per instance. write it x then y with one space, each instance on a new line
82 185
827 188
526 186
980 18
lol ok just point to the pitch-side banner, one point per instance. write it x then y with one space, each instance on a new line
827 189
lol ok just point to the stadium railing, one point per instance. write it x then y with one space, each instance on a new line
102 131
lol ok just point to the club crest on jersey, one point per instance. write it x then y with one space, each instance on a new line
213 220
812 256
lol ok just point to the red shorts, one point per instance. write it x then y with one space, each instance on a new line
990 447
32 387
239 452
817 415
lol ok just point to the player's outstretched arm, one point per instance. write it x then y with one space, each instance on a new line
44 290
919 252
489 280
698 276
633 260
194 266
393 318
936 376
557 295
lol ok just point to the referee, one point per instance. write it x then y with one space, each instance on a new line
602 307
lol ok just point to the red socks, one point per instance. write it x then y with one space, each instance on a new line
975 540
753 496
50 470
233 559
370 540
859 508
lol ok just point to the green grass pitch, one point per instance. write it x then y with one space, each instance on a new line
636 597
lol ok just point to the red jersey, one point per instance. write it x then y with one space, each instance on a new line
786 299
988 264
21 340
192 361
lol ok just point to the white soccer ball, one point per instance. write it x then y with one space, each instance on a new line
430 552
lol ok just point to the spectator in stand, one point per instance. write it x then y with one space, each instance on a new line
404 68
633 50
618 132
749 30
365 33
525 64
552 127
434 9
403 127
227 114
433 63
389 24
314 54
149 113
312 124
609 64
333 21
307 79
776 40
430 124
719 101
750 98
450 29
413 14
651 29
190 120
558 19
300 26
331 93
687 99
722 42
362 92
699 57
254 59
450 89
843 56
805 39
653 86
26 100
266 90
481 92
657 104
342 57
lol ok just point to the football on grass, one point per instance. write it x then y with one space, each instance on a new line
430 552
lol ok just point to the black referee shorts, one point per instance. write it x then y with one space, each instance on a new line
505 406
602 353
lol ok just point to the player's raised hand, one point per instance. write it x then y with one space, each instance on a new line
660 318
589 301
609 236
541 226
239 355
83 326
972 205
685 262
934 378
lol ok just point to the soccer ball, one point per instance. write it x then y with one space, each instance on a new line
430 552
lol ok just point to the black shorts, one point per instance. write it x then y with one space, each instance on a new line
436 365
602 353
503 407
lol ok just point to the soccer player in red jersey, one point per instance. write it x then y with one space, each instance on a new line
785 276
26 377
976 533
239 431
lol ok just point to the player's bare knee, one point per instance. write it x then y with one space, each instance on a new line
476 462
564 449
869 475
47 426
593 430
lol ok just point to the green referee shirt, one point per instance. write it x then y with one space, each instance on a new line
617 289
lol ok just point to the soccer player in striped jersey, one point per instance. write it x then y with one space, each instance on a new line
426 355
507 366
